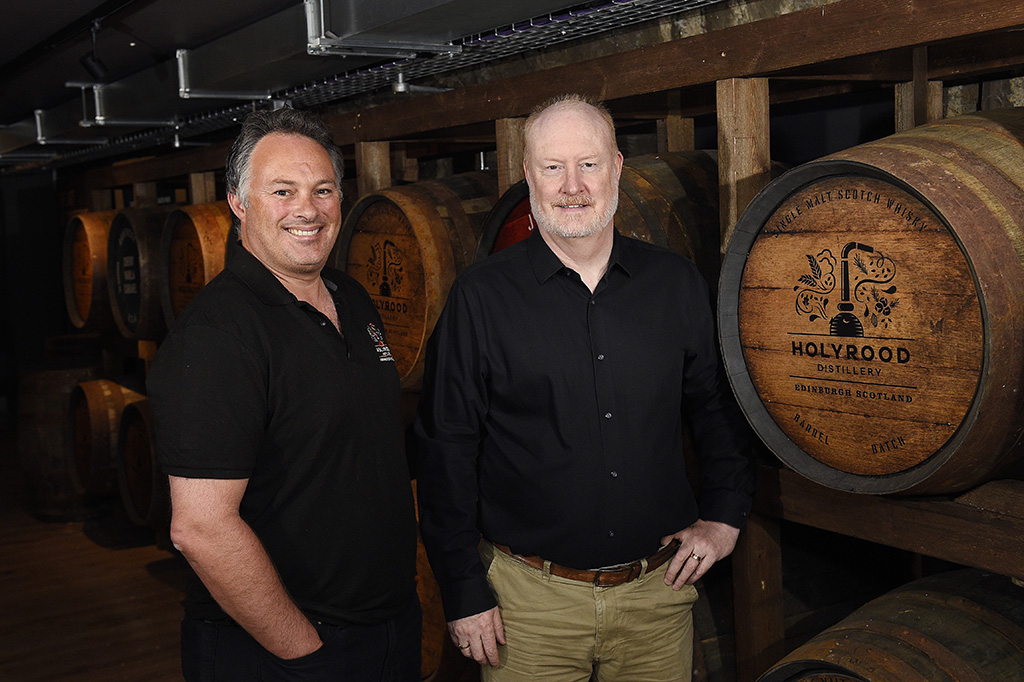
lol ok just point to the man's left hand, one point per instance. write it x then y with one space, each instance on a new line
700 546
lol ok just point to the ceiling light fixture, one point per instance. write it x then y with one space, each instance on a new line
92 63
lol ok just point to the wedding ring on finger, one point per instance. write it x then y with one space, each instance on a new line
464 646
696 557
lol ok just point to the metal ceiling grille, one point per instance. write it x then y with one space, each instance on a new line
535 34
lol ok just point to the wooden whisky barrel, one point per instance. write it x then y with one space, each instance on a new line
43 449
952 627
510 221
94 414
133 254
85 270
142 484
405 245
667 199
872 309
192 249
440 660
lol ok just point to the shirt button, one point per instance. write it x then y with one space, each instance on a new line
593 302
600 356
607 415
611 533
615 474
322 323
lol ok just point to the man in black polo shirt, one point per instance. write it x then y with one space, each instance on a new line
551 428
277 419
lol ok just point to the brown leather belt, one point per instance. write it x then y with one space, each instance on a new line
601 577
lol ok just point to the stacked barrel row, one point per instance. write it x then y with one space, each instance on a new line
127 275
136 269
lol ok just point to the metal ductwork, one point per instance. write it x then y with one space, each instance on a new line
312 53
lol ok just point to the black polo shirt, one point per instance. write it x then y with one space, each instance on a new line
552 418
252 383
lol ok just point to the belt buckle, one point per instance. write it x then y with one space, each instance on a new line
603 571
632 571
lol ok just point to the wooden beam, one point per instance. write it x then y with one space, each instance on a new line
744 156
963 533
373 166
509 136
194 160
830 32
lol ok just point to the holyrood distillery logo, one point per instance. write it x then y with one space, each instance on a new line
384 271
852 297
863 296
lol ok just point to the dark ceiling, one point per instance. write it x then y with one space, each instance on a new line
41 43
174 71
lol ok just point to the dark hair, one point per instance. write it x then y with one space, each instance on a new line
258 125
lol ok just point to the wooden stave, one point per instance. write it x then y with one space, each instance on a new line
441 661
210 226
145 226
94 417
143 486
1001 279
42 441
96 226
929 630
446 241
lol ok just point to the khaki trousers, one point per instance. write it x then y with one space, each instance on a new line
565 630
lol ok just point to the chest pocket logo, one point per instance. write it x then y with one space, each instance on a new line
383 352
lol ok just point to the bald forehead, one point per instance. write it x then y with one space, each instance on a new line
571 114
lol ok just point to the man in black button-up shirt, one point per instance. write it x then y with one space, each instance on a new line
559 381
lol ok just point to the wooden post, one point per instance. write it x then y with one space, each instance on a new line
744 162
675 132
202 188
744 157
509 136
144 194
920 100
406 167
757 598
906 105
373 166
101 200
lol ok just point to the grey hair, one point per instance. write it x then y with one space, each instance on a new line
258 125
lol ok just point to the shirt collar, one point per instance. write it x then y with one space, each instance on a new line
260 280
546 264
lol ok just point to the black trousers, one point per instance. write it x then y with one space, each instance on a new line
385 652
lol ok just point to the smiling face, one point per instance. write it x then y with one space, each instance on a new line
292 213
572 167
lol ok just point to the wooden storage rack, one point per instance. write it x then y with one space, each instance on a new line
833 48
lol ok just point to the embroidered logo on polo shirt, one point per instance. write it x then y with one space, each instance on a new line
383 352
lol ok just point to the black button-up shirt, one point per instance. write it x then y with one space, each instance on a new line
552 418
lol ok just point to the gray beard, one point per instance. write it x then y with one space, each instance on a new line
581 230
